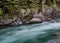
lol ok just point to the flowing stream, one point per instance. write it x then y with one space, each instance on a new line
30 33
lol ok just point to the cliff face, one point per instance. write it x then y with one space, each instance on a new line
26 11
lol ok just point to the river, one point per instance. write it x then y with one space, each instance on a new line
30 33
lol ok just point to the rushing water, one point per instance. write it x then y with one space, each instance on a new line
32 33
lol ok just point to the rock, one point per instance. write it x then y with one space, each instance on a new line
14 21
34 11
56 15
48 10
58 0
6 22
17 20
49 19
35 20
27 12
38 18
57 40
39 15
20 22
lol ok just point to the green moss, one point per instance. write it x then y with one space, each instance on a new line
21 12
1 11
20 15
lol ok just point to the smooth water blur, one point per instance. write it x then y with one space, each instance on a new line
32 33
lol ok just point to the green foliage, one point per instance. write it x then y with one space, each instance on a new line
11 9
1 17
29 17
8 16
54 3
1 11
22 4
35 1
51 3
34 5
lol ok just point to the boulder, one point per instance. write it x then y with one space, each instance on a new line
38 18
35 20
48 11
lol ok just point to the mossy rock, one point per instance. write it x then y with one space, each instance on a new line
21 13
29 17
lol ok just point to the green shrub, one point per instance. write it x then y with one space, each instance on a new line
23 4
8 16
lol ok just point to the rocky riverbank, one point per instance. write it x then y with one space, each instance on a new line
28 11
36 17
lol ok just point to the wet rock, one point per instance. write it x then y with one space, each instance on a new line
57 40
6 22
14 21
